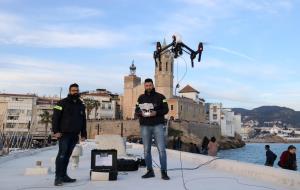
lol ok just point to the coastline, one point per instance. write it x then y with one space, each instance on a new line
273 139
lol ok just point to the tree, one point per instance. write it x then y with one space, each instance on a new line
96 105
46 118
91 104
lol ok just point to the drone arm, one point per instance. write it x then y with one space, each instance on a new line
186 51
166 47
188 48
161 51
192 53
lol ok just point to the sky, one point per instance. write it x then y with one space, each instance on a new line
250 57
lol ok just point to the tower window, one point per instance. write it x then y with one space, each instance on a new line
166 66
159 66
172 107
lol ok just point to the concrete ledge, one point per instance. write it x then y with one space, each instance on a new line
36 171
282 177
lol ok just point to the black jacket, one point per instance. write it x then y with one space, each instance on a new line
69 117
160 105
270 158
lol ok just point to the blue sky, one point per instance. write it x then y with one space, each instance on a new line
251 58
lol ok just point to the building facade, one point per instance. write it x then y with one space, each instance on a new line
16 111
43 104
229 122
108 108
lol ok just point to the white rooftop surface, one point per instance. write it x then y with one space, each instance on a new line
220 174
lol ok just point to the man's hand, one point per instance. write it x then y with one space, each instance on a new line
57 135
153 113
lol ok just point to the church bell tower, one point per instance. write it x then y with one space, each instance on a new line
164 73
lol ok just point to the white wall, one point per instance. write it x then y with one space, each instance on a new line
237 123
216 112
190 95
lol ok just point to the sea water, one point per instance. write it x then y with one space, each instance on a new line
255 153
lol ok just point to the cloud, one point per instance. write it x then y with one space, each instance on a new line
9 23
31 74
246 69
266 6
234 93
17 31
67 39
233 52
79 12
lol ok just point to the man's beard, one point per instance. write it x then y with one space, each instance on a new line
75 96
148 90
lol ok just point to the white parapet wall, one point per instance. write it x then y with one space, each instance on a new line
22 153
282 177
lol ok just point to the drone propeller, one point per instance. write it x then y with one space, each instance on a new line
200 50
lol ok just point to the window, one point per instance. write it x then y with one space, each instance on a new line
10 125
109 106
215 116
159 66
181 108
172 107
166 66
13 112
12 117
103 106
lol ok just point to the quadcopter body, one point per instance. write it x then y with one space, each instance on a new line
177 47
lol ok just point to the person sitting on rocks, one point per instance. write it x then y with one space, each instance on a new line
288 159
213 147
270 156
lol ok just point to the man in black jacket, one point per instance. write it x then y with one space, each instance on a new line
68 121
270 156
151 109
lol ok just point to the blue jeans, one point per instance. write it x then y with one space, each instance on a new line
66 145
158 131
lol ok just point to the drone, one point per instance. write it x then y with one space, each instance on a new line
177 47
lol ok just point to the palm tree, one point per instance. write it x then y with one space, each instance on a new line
46 118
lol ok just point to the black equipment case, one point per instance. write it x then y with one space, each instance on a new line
105 161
